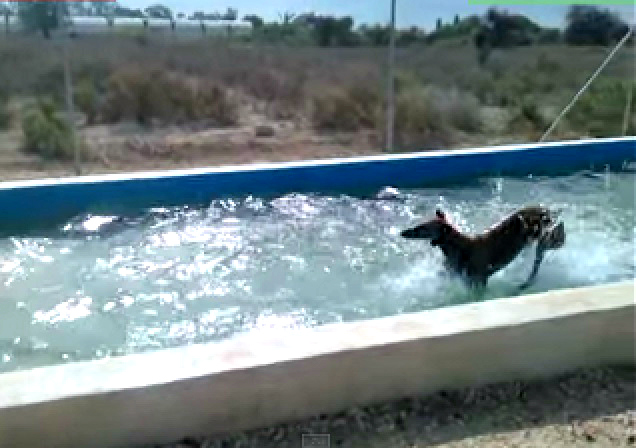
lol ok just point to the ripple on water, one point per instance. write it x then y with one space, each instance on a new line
109 285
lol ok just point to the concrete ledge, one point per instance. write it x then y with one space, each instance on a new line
261 379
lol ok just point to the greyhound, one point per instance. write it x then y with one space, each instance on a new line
478 257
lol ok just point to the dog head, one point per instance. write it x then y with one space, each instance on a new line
535 221
553 238
435 230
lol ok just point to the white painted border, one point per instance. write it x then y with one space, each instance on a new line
259 379
295 164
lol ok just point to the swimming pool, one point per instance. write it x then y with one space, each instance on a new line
104 285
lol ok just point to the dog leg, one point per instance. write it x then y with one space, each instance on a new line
535 267
550 240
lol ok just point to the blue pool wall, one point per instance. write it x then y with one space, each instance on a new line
26 204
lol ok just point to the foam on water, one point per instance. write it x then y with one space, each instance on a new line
107 285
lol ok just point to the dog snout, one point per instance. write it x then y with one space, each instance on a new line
409 233
419 232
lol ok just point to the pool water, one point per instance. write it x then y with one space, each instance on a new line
105 285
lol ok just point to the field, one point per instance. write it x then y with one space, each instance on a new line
153 101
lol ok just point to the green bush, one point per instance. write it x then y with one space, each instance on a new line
154 96
600 111
46 133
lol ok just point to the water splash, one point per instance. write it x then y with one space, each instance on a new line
108 285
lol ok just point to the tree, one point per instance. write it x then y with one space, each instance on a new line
329 30
254 20
501 29
287 17
456 20
438 24
42 16
230 15
377 35
590 25
409 36
158 11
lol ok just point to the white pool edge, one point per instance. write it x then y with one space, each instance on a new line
256 380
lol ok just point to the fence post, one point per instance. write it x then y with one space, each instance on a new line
390 96
70 109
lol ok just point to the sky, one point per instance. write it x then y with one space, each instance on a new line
422 13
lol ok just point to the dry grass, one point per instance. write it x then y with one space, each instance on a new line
345 109
152 96
441 90
5 117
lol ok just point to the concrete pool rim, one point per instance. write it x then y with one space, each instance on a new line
160 396
257 380
47 202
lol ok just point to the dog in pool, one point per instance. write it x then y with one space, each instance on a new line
477 257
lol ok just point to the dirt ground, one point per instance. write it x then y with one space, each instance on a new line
128 148
587 408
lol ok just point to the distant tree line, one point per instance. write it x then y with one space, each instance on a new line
585 25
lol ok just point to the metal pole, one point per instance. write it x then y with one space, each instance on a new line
587 84
70 109
628 108
628 103
390 97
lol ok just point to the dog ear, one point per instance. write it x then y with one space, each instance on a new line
440 215
524 224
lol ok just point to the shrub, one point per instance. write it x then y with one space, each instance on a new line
86 99
46 133
416 121
531 112
431 109
270 85
458 109
600 111
50 84
282 93
345 109
5 116
429 115
153 96
549 36
414 111
547 65
404 80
